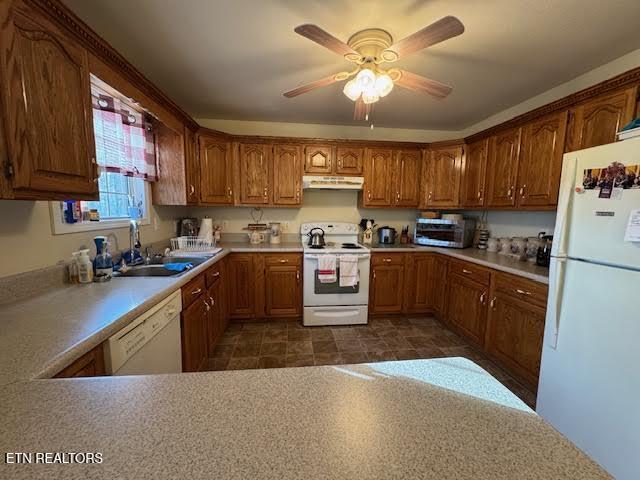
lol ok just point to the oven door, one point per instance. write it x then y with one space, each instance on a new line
317 294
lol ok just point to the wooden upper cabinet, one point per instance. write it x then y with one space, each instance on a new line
443 172
541 161
474 174
46 97
378 174
216 171
349 161
287 175
171 187
597 121
408 170
502 168
253 174
318 159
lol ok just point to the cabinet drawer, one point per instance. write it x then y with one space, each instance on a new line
522 288
192 290
283 259
470 270
387 259
213 274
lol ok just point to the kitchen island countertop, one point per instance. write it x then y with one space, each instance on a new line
422 419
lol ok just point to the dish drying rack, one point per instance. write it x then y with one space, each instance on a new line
193 246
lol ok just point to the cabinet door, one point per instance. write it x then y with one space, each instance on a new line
597 121
378 175
541 161
194 322
318 159
192 166
44 83
253 174
171 186
349 161
283 289
443 177
407 178
214 319
287 175
467 307
474 174
386 289
241 274
418 283
216 171
514 335
438 283
504 155
91 364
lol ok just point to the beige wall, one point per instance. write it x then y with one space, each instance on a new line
26 241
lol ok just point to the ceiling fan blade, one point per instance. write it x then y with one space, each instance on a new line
321 37
362 111
419 83
323 82
443 29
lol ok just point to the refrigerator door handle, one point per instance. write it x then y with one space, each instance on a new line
554 308
559 247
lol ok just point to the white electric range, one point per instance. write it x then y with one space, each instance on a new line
328 303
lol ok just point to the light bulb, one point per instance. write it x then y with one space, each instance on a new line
370 96
352 90
384 84
365 79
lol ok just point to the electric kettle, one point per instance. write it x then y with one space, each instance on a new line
316 240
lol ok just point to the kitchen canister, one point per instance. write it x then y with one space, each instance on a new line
483 238
493 245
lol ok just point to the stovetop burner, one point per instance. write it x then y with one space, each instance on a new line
351 246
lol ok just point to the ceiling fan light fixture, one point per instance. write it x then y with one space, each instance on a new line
383 85
370 96
365 79
352 90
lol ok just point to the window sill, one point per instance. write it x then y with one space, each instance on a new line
59 228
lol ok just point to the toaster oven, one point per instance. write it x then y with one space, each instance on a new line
438 232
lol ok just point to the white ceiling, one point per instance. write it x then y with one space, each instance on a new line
232 59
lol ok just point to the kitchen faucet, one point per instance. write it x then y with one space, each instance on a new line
134 243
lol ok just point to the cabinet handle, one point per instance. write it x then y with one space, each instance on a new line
522 292
479 194
388 260
197 291
283 260
493 303
522 188
430 195
298 194
374 274
369 194
229 191
206 305
468 272
192 190
483 297
510 192
298 275
213 302
339 163
216 274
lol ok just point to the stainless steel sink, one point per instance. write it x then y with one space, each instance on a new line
156 269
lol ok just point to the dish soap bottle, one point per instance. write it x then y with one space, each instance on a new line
103 263
85 267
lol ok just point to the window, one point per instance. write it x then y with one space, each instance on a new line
125 154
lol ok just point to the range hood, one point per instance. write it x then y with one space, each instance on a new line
318 182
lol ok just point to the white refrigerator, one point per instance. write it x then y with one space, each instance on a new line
589 386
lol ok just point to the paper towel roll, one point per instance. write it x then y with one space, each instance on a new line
206 230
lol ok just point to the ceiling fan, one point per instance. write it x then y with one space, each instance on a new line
368 50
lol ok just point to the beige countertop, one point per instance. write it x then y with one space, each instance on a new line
423 419
487 259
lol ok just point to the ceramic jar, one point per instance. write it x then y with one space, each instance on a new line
493 245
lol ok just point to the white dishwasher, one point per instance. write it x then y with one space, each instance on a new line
149 344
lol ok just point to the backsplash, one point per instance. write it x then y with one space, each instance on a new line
517 224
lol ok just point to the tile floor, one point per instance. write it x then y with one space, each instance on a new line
289 344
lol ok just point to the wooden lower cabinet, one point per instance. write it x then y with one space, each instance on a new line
194 327
91 364
215 319
419 289
264 285
467 307
439 272
386 286
515 332
283 285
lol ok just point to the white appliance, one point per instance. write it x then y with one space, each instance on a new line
328 303
149 344
590 372
332 183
